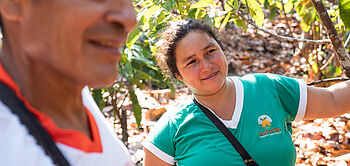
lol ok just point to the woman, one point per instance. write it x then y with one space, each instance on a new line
258 108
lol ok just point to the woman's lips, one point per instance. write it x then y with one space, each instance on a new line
212 76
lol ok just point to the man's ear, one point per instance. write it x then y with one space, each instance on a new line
11 10
178 76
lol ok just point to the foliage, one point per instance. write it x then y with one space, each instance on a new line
344 7
138 68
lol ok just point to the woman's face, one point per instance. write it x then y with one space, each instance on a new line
201 63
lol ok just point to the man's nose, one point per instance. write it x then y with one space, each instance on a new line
123 13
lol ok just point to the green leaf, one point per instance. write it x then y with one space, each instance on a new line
128 69
224 22
228 5
136 108
288 6
200 14
218 21
97 95
272 14
236 4
202 4
266 3
169 5
241 23
209 20
132 37
305 27
256 12
314 65
338 71
279 5
147 16
344 9
143 75
192 13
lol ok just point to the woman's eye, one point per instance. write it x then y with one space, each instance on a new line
211 52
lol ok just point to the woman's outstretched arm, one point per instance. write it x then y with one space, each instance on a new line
328 102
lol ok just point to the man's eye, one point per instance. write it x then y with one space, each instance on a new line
191 62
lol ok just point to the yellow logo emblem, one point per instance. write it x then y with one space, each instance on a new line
264 121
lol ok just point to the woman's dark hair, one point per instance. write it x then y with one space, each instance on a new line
175 32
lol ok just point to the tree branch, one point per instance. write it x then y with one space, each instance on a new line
286 18
328 80
333 35
285 37
346 44
327 62
222 4
246 1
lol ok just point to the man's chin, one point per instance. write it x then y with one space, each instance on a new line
103 82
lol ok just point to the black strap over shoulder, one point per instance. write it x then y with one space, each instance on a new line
10 99
248 160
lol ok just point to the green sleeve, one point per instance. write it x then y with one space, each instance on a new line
160 139
292 94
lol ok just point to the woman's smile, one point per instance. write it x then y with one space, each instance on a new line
211 76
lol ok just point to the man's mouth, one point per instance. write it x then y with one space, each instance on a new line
211 76
110 46
106 43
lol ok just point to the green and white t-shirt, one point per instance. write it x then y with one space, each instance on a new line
266 104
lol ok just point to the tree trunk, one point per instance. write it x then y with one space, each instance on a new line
333 35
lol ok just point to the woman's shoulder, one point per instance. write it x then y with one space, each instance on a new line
260 78
176 116
180 112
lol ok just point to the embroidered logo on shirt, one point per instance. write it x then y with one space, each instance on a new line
264 121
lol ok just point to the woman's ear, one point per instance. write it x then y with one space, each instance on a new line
11 10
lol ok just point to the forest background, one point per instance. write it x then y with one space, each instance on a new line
307 39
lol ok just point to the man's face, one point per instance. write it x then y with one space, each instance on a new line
78 39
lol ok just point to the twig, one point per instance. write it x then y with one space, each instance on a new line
286 18
234 7
223 7
246 1
285 37
346 44
327 62
222 4
328 80
126 96
114 104
222 21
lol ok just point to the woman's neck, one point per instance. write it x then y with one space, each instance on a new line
221 102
